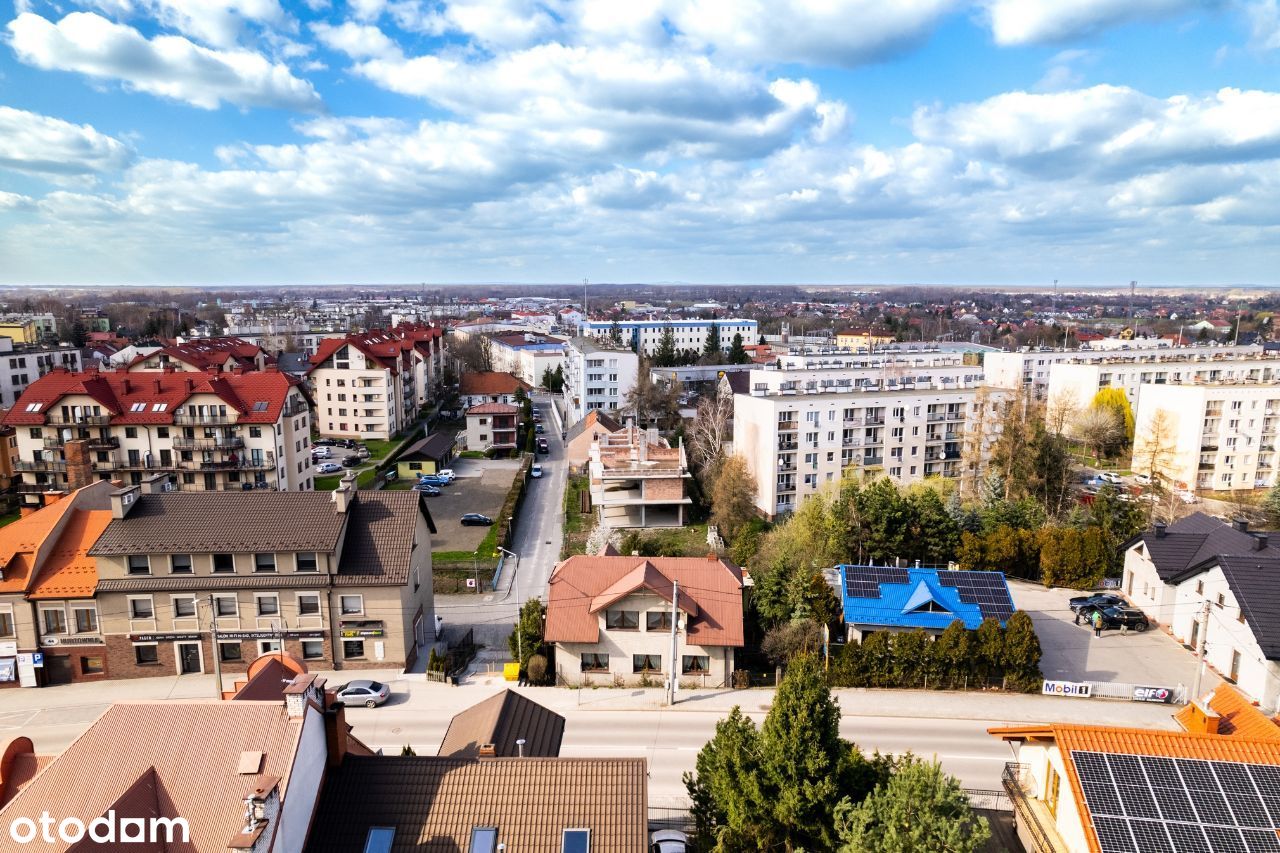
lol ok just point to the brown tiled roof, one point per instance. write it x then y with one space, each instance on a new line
490 382
239 580
69 571
501 720
378 548
594 417
24 768
433 803
715 587
224 522
435 446
203 353
194 748
493 409
645 576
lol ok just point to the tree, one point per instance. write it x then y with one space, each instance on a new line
615 332
934 534
951 652
1115 400
919 809
1099 429
732 497
529 632
1155 446
1270 507
653 404
707 436
988 648
786 641
883 520
737 351
724 785
665 355
711 352
1009 456
1022 653
475 353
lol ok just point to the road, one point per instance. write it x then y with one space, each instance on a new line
539 533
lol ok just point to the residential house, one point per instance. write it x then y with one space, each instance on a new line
199 355
506 725
339 580
427 455
1227 711
887 598
598 376
493 426
1218 585
1097 789
476 388
637 479
209 431
584 433
610 618
862 338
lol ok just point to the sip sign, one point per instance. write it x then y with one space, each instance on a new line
1080 689
1152 694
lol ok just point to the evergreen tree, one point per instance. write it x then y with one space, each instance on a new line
615 332
666 355
988 648
1022 653
951 652
738 352
529 629
935 535
919 809
711 349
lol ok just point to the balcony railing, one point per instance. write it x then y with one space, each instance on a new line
99 442
36 488
185 418
787 445
875 421
264 462
78 420
873 460
218 443
1017 783
53 441
51 465
294 410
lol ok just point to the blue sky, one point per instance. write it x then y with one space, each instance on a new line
384 141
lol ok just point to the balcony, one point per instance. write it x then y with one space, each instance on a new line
872 460
53 442
874 421
78 420
99 442
934 417
233 442
784 446
1033 817
37 488
1205 466
187 419
48 465
294 410
788 426
264 462
786 466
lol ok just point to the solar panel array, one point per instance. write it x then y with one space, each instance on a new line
1147 804
988 590
864 582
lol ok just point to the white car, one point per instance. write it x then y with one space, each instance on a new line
1109 477
1142 479
446 474
668 841
328 468
535 471
321 453
1188 497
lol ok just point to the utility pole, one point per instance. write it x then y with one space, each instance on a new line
675 620
217 652
1133 286
1203 620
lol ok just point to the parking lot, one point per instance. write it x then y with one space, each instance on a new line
481 486
336 455
1071 653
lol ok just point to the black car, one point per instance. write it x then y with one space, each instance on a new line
351 462
543 447
475 519
1083 604
324 442
1125 617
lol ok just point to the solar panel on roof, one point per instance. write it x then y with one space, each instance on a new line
1187 838
1113 835
1151 836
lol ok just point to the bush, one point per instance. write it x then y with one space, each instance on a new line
537 669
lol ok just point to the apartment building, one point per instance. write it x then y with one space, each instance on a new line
1219 437
23 364
339 580
796 440
638 479
211 431
372 384
598 376
493 426
1030 368
527 356
201 354
646 335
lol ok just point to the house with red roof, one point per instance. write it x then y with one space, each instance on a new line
194 431
610 618
493 426
199 355
489 386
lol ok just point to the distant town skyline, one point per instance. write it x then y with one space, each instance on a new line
990 143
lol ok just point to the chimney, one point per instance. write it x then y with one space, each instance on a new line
79 465
123 501
126 386
335 732
1260 541
156 384
488 750
154 484
1161 527
297 693
345 494
1241 524
51 497
1202 720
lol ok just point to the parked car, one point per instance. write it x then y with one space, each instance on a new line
1142 479
535 471
543 447
328 468
1097 601
350 461
323 442
668 841
427 489
1109 477
1188 497
446 474
475 519
321 453
362 452
1125 617
432 480
538 428
363 692
348 443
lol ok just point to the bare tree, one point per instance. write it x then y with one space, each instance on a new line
475 353
1155 445
1097 428
709 432
1059 412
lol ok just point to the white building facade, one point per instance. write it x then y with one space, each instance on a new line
646 335
597 376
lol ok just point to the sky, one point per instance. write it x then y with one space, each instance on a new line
264 142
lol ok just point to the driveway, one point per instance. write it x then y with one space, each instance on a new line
1071 653
480 490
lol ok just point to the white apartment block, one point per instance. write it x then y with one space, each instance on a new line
526 355
1030 368
597 376
1219 437
20 366
797 441
868 374
199 431
1074 383
646 335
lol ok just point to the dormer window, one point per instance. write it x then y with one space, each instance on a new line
138 407
159 407
34 407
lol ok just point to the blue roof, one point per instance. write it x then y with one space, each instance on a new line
923 598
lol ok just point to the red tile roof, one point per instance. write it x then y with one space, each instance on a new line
69 571
20 540
204 353
493 409
489 383
119 393
387 348
580 583
1237 716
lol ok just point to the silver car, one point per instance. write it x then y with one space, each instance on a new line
364 692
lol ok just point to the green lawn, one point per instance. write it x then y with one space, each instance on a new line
9 518
364 480
485 552
379 449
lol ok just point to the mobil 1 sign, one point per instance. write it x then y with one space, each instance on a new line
1152 694
1080 689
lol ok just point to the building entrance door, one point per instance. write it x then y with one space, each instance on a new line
188 658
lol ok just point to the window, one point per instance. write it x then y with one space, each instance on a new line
225 605
351 604
55 621
141 608
312 649
255 432
184 606
592 662
380 839
657 620
695 664
268 605
6 622
305 561
264 562
268 647
352 649
484 839
576 841
1235 666
146 654
139 564
86 619
646 663
130 432
622 620
229 652
224 563
180 564
162 432
91 665
308 604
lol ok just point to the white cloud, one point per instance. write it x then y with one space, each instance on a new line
359 41
170 66
1047 21
30 142
367 10
13 201
216 22
502 24
1264 24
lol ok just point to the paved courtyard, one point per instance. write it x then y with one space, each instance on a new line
1071 653
481 486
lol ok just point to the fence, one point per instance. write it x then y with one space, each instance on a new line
1018 784
458 655
994 801
670 818
450 578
